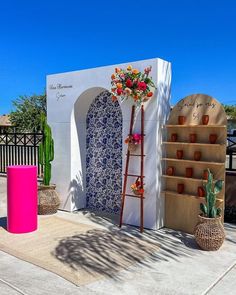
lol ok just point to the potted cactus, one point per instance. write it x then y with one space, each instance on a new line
48 199
209 232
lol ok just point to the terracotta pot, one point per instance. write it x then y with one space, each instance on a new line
197 155
193 137
174 137
209 233
213 138
180 154
181 120
205 174
201 192
180 188
170 170
205 119
189 172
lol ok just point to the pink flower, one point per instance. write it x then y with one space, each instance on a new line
129 83
142 86
119 91
147 70
137 138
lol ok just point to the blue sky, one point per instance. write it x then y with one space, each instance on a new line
44 37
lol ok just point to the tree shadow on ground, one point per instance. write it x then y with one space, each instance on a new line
106 251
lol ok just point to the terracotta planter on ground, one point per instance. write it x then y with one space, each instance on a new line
180 154
193 137
189 172
181 120
180 188
197 155
174 137
213 138
205 119
170 170
209 233
48 199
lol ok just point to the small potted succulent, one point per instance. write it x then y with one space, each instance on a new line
209 232
48 199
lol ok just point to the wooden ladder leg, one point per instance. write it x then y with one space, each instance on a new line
126 168
142 168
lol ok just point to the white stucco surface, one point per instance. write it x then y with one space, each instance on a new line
69 96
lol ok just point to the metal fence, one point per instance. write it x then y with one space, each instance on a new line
23 149
20 149
231 152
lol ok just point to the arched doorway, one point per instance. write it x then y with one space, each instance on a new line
104 154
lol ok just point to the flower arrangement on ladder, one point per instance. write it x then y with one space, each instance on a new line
133 84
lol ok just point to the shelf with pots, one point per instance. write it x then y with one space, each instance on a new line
194 162
194 140
178 177
184 195
216 145
194 126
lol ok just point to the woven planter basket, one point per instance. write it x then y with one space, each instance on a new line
48 199
132 147
209 233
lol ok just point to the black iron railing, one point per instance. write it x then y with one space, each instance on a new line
231 152
20 149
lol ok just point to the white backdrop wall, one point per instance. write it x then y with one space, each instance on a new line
69 96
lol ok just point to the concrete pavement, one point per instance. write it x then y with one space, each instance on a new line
179 267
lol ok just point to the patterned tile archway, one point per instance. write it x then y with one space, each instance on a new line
104 154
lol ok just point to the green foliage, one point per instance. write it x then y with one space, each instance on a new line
230 111
27 112
209 209
46 150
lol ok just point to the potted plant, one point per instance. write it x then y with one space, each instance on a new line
137 187
209 232
133 141
48 199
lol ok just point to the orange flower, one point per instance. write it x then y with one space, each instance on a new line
119 85
129 68
113 76
127 140
135 71
150 94
114 98
135 97
117 70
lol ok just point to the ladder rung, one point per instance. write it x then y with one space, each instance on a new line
133 155
134 175
134 196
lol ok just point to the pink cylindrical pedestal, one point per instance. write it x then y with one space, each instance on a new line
21 199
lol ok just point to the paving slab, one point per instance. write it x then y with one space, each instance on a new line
225 285
178 268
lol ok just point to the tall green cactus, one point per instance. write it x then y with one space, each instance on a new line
46 150
209 209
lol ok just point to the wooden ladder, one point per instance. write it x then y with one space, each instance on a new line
141 176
